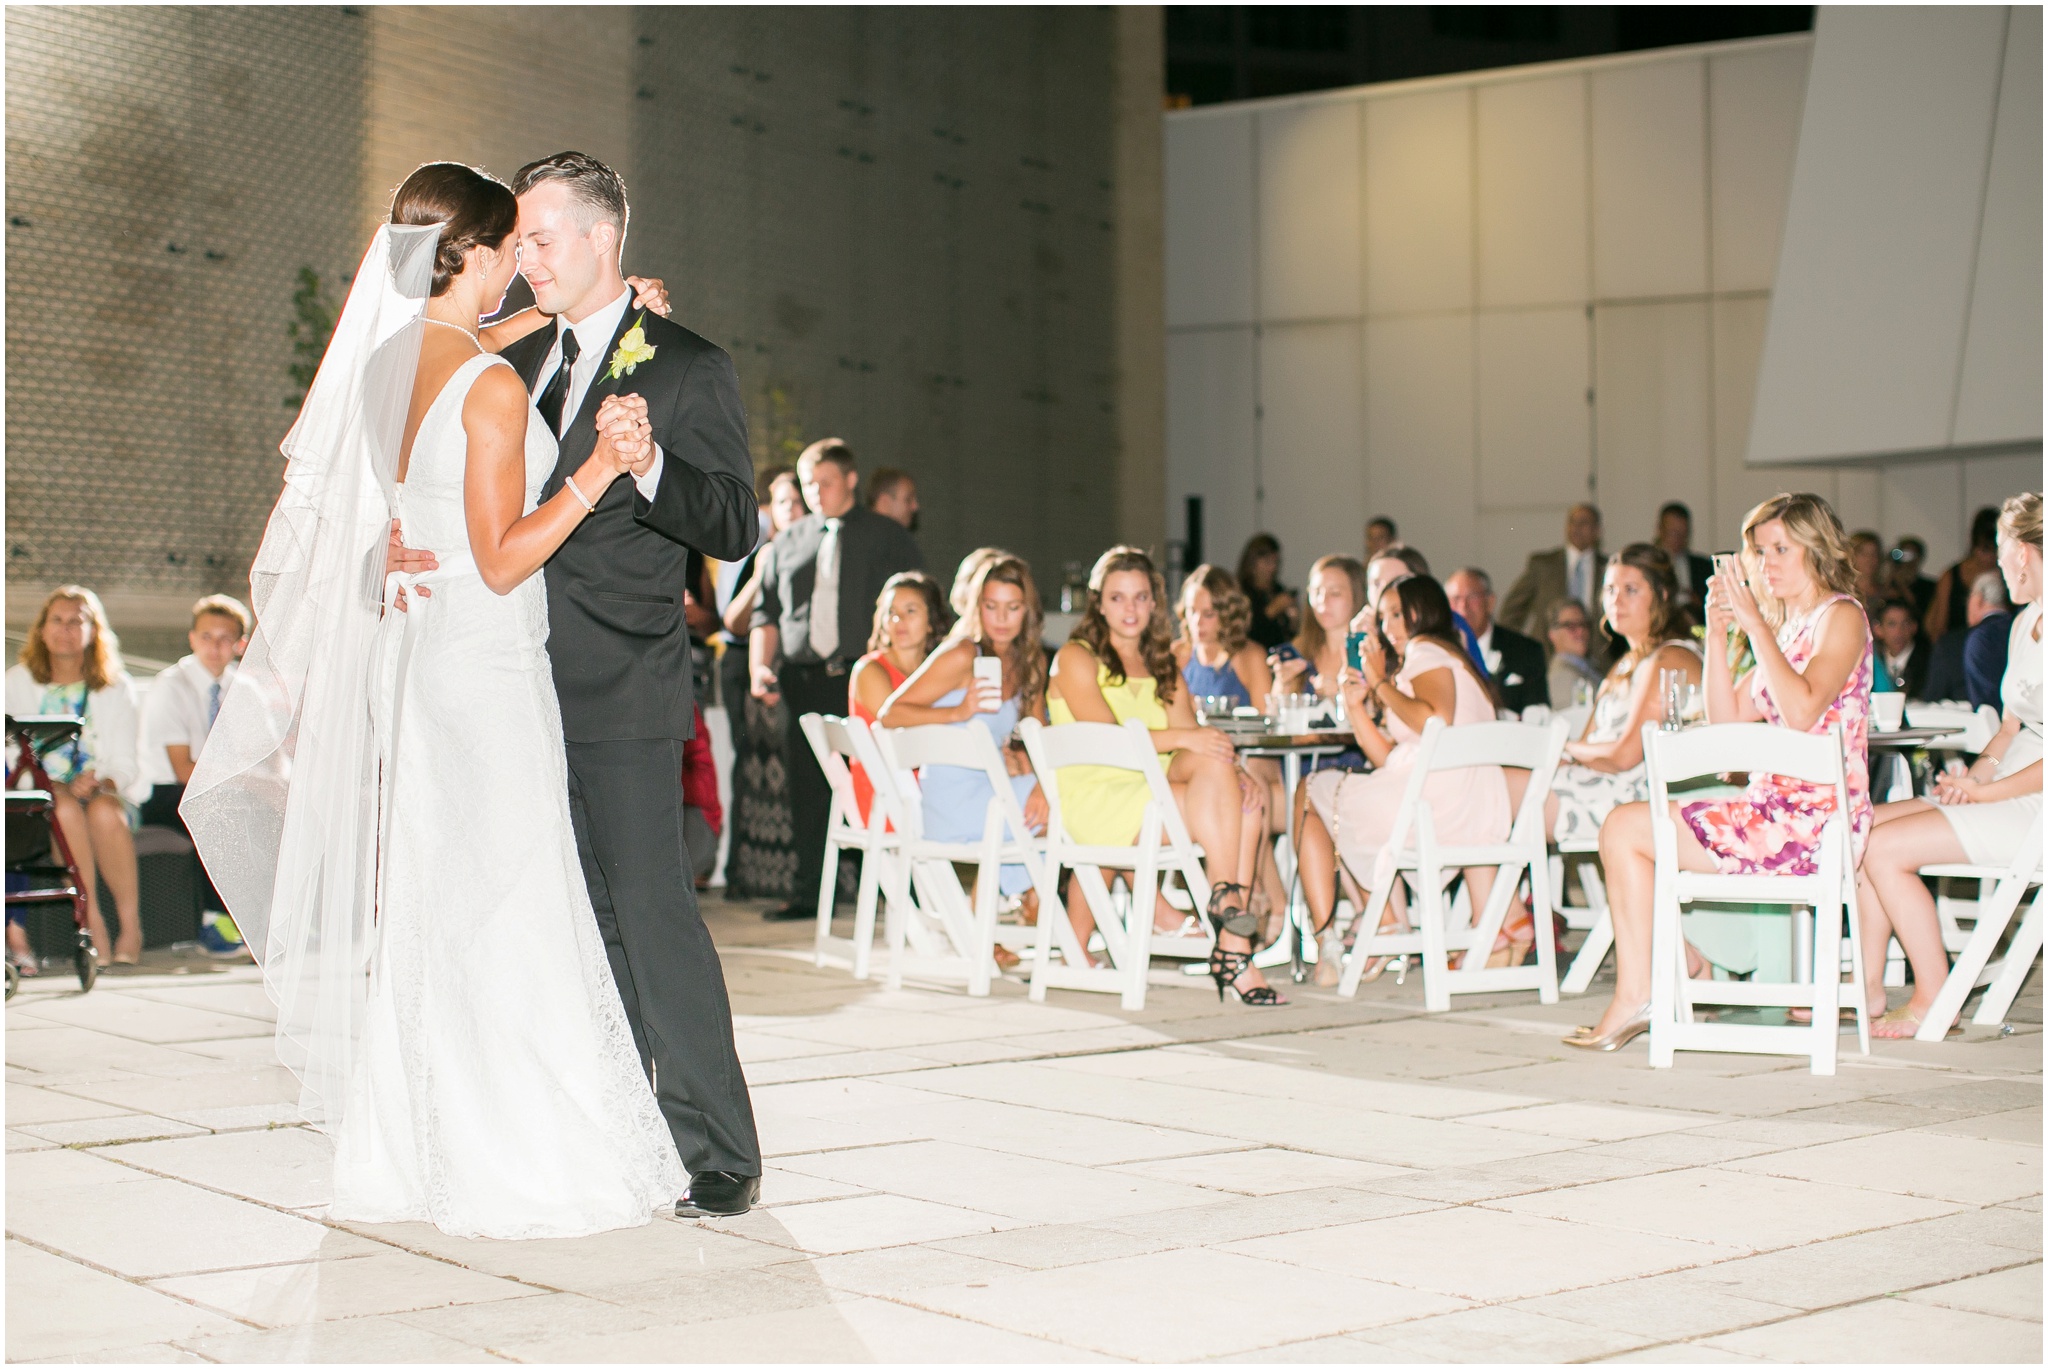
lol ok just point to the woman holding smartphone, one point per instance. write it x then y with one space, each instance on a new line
989 674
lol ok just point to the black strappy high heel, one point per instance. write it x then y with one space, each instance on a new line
1226 966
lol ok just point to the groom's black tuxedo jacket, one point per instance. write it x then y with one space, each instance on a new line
616 637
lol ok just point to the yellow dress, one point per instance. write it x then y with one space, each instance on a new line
1102 805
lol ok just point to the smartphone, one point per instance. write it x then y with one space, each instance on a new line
1285 652
1354 651
990 668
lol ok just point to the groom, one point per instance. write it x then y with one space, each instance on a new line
621 653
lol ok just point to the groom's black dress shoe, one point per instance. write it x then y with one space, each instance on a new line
791 912
717 1194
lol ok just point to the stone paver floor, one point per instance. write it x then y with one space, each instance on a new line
961 1179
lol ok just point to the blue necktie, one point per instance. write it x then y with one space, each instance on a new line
212 703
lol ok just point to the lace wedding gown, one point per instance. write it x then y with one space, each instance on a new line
496 1090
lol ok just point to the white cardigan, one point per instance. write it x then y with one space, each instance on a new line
112 725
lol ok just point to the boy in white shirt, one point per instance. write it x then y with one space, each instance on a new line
176 717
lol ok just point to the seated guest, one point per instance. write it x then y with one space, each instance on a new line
893 494
1397 560
177 713
1795 602
1514 662
1945 658
1986 649
1119 664
1866 554
1217 657
1901 663
1570 631
1980 817
71 664
1004 621
1572 571
1414 671
1909 558
703 814
1275 614
1603 769
1311 662
910 618
1946 605
1674 535
1380 533
970 566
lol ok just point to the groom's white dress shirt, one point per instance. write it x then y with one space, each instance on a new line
593 357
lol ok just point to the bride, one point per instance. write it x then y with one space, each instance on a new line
383 800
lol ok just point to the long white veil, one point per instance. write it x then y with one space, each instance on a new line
283 803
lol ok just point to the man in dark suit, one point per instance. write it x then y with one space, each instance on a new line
1572 571
1515 662
819 581
1674 534
620 645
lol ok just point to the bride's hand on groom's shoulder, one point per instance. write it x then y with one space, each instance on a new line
649 293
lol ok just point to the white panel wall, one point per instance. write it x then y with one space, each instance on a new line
1209 248
1653 379
1755 99
1532 191
1650 180
1999 397
1308 212
1312 440
1419 430
1418 202
1210 398
1444 268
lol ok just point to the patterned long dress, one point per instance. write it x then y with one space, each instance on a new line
762 862
1774 826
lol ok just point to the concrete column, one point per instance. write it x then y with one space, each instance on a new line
1140 300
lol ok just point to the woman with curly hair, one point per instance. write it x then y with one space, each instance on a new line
1003 622
910 620
1119 664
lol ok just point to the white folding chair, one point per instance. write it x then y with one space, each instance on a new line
1598 921
1163 848
1427 866
835 742
1004 839
1830 891
2004 887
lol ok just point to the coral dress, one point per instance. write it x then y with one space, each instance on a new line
1469 806
1774 826
863 787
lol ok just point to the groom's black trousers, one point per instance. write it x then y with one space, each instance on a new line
626 800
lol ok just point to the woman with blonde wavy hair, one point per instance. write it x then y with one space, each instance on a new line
1980 816
1808 668
71 663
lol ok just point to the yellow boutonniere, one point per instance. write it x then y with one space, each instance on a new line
633 350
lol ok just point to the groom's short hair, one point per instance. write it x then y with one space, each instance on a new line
595 187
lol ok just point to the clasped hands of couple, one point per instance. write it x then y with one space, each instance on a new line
625 446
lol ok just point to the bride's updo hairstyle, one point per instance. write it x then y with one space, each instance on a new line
473 209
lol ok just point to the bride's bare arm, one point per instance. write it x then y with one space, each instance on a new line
507 547
648 293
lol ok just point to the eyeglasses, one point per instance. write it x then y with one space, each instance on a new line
1573 625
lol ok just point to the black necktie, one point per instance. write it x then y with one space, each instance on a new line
557 393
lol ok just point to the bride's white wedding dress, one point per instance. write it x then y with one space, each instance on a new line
496 1090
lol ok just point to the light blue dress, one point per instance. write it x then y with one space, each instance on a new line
956 799
1217 681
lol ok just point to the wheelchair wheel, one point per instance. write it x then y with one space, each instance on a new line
88 962
13 979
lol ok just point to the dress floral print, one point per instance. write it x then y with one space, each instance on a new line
1774 826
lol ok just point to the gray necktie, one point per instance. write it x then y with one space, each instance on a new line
825 595
212 703
1581 578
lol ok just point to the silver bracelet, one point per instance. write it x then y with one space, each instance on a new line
574 489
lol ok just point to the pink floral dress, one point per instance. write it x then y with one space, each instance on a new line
1774 826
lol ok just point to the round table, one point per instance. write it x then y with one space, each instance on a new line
1290 748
